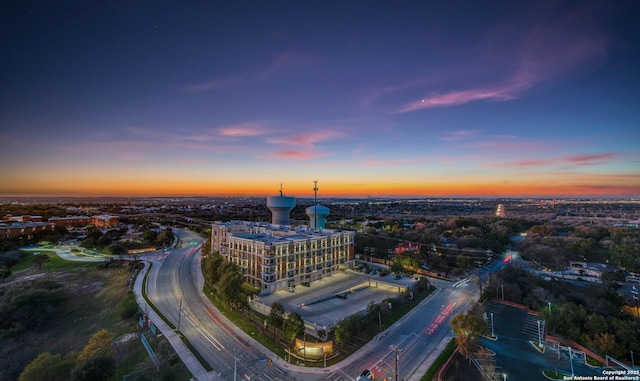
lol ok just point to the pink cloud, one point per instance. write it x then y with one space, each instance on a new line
277 65
307 139
241 130
547 52
574 160
296 154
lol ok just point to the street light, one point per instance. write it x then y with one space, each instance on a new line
539 335
571 361
504 376
492 335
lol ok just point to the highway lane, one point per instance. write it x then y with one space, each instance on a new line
416 337
214 337
175 288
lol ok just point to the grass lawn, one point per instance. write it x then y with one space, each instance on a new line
93 297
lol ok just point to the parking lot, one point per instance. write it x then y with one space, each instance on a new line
327 301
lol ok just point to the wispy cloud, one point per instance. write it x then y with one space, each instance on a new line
375 94
306 139
578 160
547 52
243 130
296 154
281 61
459 134
302 145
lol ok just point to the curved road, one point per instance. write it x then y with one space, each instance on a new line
175 287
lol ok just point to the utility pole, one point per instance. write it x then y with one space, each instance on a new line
395 350
315 204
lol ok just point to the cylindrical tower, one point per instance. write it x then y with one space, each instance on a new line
317 216
280 207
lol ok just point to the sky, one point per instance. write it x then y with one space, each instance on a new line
369 98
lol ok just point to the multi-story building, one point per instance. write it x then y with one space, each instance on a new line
9 217
274 257
71 221
24 228
104 221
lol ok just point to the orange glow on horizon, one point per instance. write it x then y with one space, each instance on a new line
327 189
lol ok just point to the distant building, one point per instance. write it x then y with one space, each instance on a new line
500 211
9 217
24 229
274 257
104 221
407 246
71 221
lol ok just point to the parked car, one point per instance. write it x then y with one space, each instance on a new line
383 273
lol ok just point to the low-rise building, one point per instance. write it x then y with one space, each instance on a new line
24 228
71 221
104 221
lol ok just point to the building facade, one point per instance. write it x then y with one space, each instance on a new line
24 229
274 257
104 221
71 221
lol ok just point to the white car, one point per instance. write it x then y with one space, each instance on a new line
365 375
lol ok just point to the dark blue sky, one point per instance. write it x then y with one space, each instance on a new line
446 98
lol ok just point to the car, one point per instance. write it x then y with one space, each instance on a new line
398 277
365 375
373 272
383 273
291 289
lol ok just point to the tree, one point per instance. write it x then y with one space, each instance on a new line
99 346
165 237
95 361
230 286
150 236
40 259
47 367
469 327
293 326
94 369
4 273
128 306
275 317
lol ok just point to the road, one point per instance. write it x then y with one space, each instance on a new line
174 287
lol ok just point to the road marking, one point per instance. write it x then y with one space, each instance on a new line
210 339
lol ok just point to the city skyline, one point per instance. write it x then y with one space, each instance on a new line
372 99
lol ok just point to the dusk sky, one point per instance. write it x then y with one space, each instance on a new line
369 98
